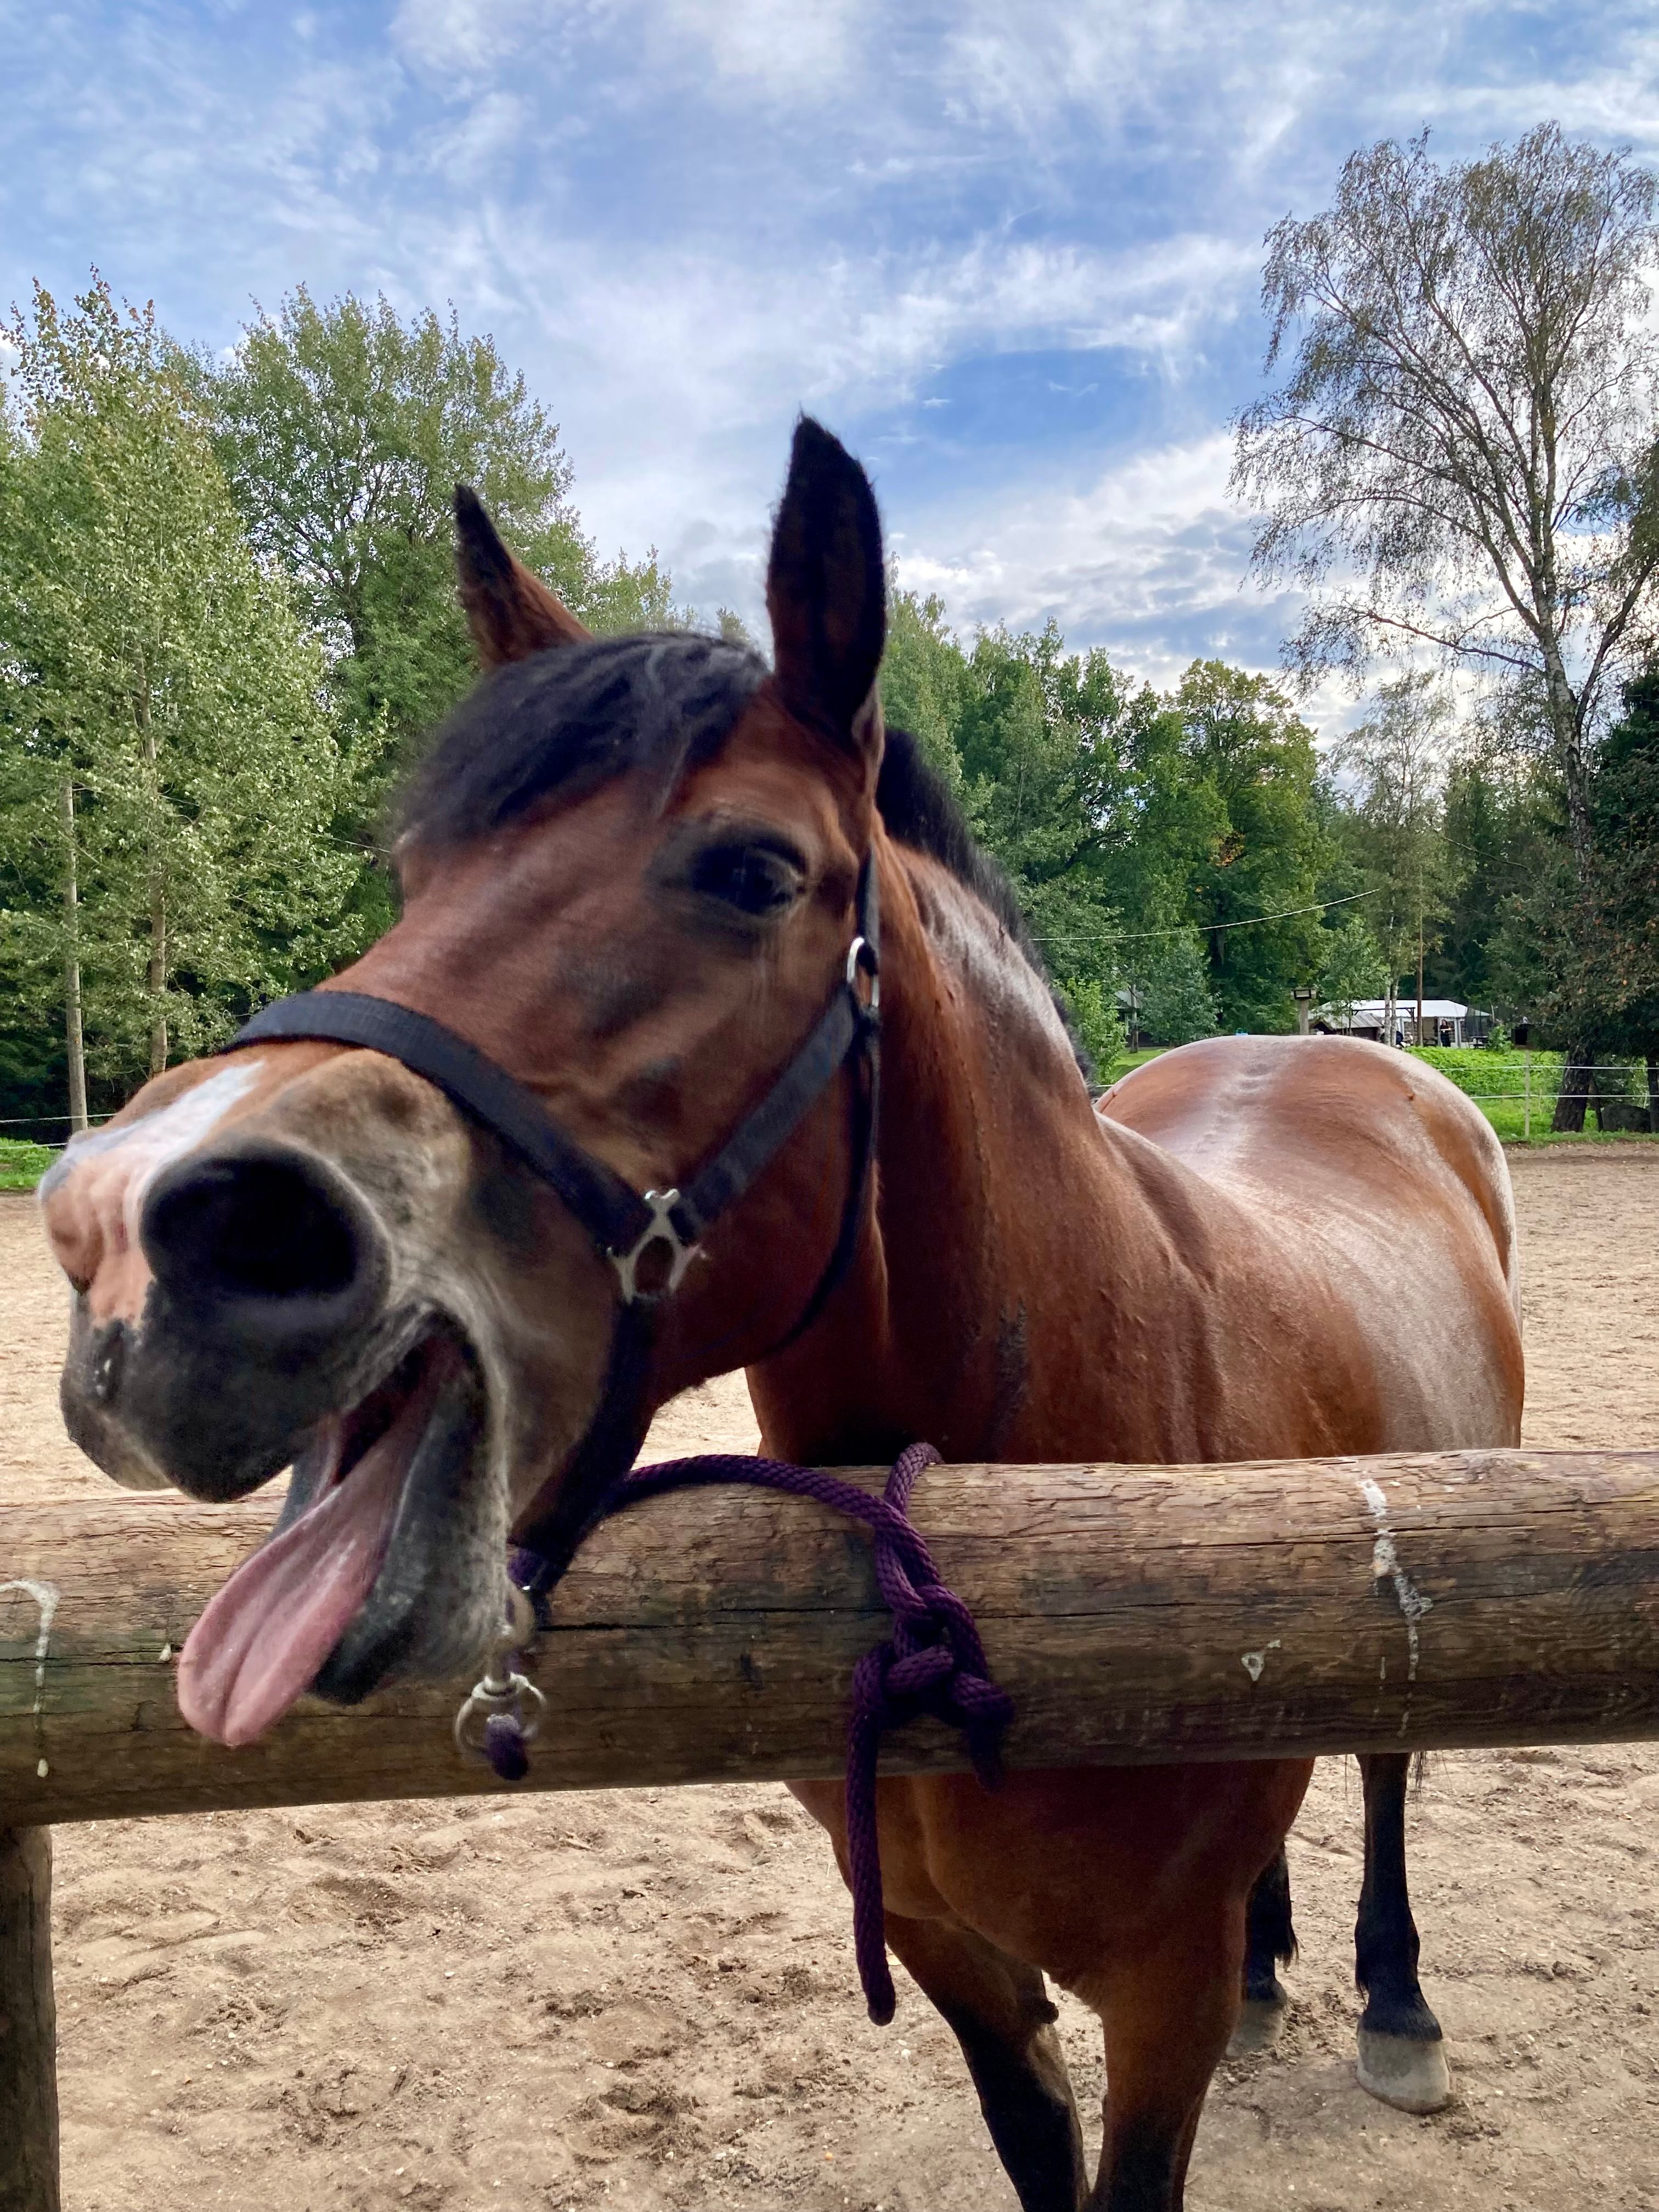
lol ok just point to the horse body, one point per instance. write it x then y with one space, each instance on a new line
1383 1198
310 1254
1262 1248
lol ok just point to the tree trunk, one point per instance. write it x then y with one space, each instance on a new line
156 974
156 977
73 1038
1653 1095
29 2025
1577 1082
1418 1037
1563 708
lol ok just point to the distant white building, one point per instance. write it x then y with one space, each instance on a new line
1445 1021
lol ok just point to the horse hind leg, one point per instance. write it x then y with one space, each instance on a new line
1269 1943
1402 2059
998 2008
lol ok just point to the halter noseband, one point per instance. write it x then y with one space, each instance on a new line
650 1238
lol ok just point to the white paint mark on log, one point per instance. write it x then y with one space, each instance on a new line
1254 1662
46 1596
1386 1567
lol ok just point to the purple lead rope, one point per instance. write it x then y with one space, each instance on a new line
933 1663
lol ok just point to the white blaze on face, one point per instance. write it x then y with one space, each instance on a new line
92 1198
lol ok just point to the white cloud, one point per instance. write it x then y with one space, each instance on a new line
1148 561
788 48
687 218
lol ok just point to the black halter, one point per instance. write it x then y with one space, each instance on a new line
649 1238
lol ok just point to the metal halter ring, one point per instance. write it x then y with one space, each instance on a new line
514 1694
861 960
660 1230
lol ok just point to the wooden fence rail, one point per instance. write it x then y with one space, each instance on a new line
1136 1614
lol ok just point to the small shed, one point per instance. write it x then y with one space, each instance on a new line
1445 1021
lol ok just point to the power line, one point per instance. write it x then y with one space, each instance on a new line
1250 922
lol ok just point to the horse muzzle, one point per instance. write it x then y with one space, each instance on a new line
273 1333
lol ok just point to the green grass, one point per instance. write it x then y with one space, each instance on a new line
22 1165
1496 1082
1491 1074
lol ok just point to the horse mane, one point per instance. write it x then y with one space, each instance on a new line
567 720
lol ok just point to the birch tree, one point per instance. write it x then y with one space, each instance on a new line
1460 459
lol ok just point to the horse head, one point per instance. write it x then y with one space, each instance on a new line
630 870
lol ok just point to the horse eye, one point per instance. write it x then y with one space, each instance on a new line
747 877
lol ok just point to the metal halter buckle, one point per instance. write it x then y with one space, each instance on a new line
511 1693
861 960
660 1230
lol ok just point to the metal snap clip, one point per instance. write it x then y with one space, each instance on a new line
512 1694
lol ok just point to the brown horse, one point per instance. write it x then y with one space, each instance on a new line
630 872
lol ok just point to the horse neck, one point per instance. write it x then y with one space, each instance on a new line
998 1202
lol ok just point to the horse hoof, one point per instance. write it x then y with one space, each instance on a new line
1260 2021
1412 2076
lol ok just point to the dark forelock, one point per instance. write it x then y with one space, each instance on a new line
570 719
567 720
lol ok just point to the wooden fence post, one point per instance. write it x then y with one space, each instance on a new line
29 2025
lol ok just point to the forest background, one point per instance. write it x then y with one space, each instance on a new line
228 624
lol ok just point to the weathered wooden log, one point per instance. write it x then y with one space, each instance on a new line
29 2025
1136 1614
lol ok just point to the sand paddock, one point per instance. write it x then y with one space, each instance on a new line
649 1999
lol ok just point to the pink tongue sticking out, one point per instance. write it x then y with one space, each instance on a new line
259 1643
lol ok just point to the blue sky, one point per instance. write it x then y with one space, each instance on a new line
1010 252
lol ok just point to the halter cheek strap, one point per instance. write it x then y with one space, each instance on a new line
649 1238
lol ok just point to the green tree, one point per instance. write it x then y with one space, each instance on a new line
1498 832
924 679
1097 1025
1353 969
1399 759
343 431
1037 737
170 767
1254 758
1595 971
1171 986
1139 832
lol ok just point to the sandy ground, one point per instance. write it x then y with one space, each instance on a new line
648 1997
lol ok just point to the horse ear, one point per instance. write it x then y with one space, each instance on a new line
826 589
511 613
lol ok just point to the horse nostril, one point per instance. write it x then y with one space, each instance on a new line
258 1228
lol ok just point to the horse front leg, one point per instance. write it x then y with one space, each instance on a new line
1402 2060
1167 2012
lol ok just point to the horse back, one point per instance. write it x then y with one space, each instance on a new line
1373 1194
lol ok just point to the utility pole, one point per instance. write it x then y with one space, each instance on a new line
1419 956
73 1036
